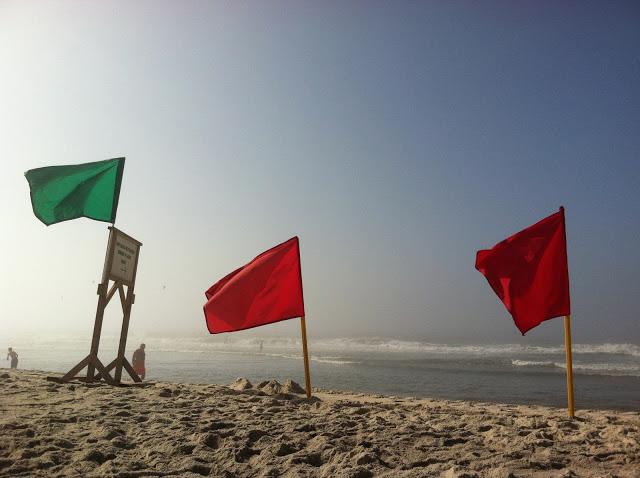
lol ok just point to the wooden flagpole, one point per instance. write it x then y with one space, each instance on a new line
305 352
567 345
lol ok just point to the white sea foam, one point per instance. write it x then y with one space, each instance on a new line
334 361
606 368
533 363
380 345
314 358
625 369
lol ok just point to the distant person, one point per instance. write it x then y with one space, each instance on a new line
261 344
138 361
13 355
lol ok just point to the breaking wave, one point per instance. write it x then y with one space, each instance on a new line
314 358
379 345
622 369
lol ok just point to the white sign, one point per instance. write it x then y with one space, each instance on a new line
124 260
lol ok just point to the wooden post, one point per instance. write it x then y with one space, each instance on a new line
567 345
305 352
126 304
97 330
102 304
126 301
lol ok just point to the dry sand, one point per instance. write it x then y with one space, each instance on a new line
170 429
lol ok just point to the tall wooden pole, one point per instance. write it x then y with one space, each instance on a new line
567 345
126 305
97 329
102 304
305 352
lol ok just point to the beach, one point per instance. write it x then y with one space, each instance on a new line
271 429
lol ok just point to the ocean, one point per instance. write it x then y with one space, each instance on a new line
606 376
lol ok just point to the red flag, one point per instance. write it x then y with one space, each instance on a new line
528 271
268 289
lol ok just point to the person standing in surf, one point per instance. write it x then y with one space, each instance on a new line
13 355
137 361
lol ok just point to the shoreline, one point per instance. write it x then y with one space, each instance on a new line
178 429
376 394
606 376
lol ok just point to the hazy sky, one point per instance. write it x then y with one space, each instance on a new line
395 138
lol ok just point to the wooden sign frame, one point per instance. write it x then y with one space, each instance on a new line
119 246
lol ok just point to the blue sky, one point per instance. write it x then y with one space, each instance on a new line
395 138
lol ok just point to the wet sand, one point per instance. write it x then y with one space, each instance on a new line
268 430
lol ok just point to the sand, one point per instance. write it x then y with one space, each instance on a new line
170 429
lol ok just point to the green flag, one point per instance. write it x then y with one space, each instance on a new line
60 193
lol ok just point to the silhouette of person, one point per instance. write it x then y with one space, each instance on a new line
137 361
13 355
